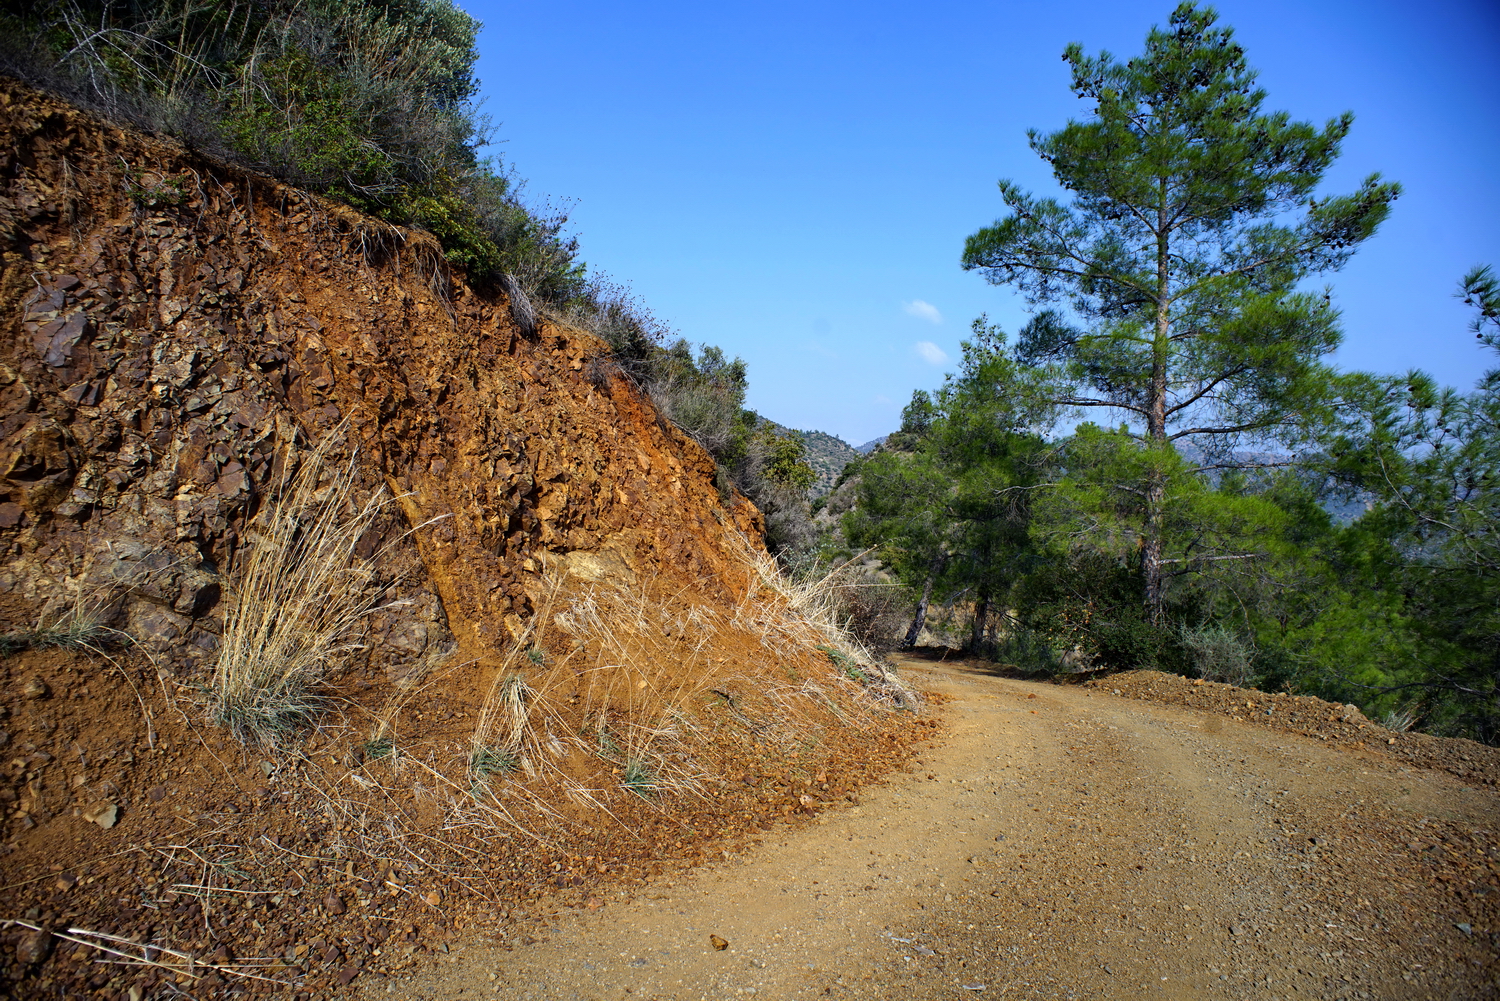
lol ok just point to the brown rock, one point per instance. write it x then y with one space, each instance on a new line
333 903
65 334
103 813
155 627
34 947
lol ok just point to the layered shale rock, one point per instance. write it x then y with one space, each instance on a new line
174 327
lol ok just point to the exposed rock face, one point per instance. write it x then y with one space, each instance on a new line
576 670
173 326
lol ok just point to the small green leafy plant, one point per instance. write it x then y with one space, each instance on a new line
487 761
845 663
639 778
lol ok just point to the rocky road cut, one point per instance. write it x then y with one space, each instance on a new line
1059 842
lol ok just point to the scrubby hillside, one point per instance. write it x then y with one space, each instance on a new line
340 609
827 455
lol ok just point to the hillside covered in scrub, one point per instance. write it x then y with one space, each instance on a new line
345 601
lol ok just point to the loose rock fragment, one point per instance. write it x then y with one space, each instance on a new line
718 943
34 947
104 813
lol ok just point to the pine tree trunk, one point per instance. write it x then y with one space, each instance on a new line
1156 422
981 617
920 619
1151 551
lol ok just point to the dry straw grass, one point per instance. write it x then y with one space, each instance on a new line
78 617
646 693
618 693
128 952
299 596
805 612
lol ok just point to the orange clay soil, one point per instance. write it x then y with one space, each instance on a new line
574 671
1064 842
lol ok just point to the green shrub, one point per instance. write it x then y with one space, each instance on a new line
639 778
704 396
487 761
377 748
367 102
846 664
1029 651
1218 653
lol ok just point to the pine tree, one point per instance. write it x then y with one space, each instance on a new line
1431 456
1193 220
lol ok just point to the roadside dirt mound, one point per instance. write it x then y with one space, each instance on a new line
570 663
1339 725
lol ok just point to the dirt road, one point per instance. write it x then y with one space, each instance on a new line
1060 843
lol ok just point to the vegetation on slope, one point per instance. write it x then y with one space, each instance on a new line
374 103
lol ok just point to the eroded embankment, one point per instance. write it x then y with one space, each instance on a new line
573 667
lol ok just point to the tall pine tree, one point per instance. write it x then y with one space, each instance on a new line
1193 219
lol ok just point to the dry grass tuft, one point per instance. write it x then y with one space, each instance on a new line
78 619
70 629
806 614
299 597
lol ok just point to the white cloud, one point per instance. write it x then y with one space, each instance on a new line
923 311
884 401
931 353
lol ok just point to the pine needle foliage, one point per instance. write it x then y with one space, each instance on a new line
1195 217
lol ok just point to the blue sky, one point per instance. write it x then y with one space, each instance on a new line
794 181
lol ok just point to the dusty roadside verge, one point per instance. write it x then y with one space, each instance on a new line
1061 843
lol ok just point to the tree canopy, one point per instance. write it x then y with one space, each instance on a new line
1163 469
1194 218
1431 456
